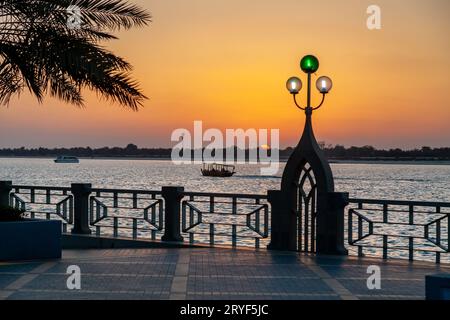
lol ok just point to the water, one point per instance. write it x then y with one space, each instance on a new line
426 182
400 181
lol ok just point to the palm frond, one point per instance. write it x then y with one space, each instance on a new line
102 14
46 56
10 82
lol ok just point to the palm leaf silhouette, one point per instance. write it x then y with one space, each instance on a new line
39 51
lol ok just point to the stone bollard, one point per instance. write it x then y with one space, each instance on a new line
81 192
282 220
172 208
330 225
5 190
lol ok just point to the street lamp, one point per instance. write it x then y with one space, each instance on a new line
309 64
307 186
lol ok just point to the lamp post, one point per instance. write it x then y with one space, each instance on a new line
307 215
309 64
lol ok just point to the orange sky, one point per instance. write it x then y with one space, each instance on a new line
226 62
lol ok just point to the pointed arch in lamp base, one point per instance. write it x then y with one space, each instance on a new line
287 234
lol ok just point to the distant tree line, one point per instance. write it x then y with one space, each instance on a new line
130 150
336 152
369 152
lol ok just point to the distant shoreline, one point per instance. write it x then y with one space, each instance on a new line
336 153
332 161
89 158
403 162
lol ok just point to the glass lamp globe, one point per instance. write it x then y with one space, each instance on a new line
309 64
294 85
324 84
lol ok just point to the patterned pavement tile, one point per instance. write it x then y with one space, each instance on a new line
7 279
295 270
17 267
117 268
253 296
388 287
80 295
102 283
271 285
209 273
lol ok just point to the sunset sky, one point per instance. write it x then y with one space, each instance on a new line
226 62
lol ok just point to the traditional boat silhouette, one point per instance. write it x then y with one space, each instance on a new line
218 170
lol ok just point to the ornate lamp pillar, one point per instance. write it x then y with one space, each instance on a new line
307 215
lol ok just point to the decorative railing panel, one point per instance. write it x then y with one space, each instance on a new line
50 203
227 219
401 229
126 213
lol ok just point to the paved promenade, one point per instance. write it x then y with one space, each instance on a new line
211 274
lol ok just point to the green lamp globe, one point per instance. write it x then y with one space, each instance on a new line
309 64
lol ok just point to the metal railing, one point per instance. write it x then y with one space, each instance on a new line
401 229
230 217
127 213
205 218
385 228
48 203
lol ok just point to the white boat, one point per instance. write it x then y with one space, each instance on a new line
66 159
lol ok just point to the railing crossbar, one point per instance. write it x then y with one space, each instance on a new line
405 203
403 248
225 234
124 227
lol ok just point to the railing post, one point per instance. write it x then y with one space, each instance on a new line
172 208
330 225
281 220
81 192
5 190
